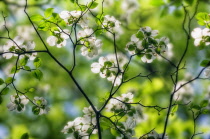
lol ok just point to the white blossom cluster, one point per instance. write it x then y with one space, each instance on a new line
58 38
201 36
41 105
17 45
71 17
82 127
117 105
111 23
17 103
144 44
107 67
91 45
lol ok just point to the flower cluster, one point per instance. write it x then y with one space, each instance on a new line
82 127
111 23
70 17
108 68
59 38
201 36
40 106
16 46
91 45
17 103
117 104
145 45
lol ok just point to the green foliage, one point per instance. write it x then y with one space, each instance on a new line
205 63
48 12
9 80
37 62
37 74
37 17
204 103
203 18
1 99
92 5
5 91
36 110
24 61
25 136
1 81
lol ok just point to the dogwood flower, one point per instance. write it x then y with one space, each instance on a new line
17 103
201 35
111 23
17 45
82 126
149 32
41 105
107 67
91 45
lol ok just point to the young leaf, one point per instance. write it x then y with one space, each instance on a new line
27 68
204 103
5 91
24 61
205 63
36 110
48 12
37 62
9 80
36 17
37 74
92 5
14 70
1 81
25 136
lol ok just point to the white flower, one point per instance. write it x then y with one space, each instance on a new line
91 45
149 32
17 103
70 17
41 104
111 23
148 57
200 35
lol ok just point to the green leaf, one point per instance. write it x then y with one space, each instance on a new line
13 70
205 111
36 17
24 61
37 62
37 74
92 5
204 103
25 136
1 99
195 107
174 109
140 35
5 91
35 110
73 1
9 80
157 2
1 81
48 12
205 63
31 90
27 68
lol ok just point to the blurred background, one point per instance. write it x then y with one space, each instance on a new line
65 100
